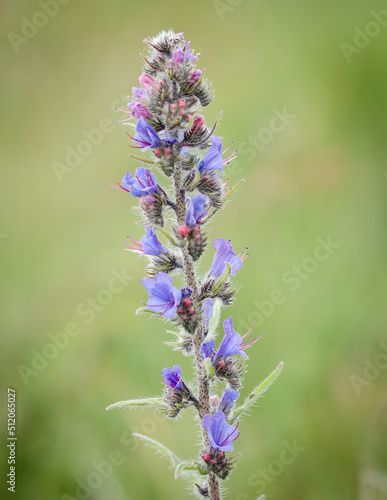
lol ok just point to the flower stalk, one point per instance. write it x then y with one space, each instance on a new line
169 126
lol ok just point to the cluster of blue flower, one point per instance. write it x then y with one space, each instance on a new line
166 107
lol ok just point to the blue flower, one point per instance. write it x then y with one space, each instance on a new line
185 292
173 377
221 434
212 160
146 136
198 208
207 349
228 400
148 245
225 254
142 184
181 55
207 308
164 298
232 343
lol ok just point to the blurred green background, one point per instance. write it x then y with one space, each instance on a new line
323 175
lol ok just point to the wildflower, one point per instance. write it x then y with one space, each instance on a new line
181 55
164 298
212 160
198 208
225 254
146 136
207 308
173 377
148 245
207 349
140 94
195 76
142 184
138 110
220 433
232 342
228 400
177 395
146 81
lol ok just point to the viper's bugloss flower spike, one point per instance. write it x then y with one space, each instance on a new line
163 296
221 434
168 105
225 255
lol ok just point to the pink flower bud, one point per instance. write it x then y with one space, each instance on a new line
197 123
181 103
183 231
214 400
146 81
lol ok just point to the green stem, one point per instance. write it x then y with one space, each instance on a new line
203 405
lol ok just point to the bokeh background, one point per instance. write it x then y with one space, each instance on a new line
323 175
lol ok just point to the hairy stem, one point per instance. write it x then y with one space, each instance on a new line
203 405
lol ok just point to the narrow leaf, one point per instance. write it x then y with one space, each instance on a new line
137 403
188 465
214 320
222 279
256 394
168 236
159 448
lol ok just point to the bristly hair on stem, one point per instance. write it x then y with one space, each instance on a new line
167 105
